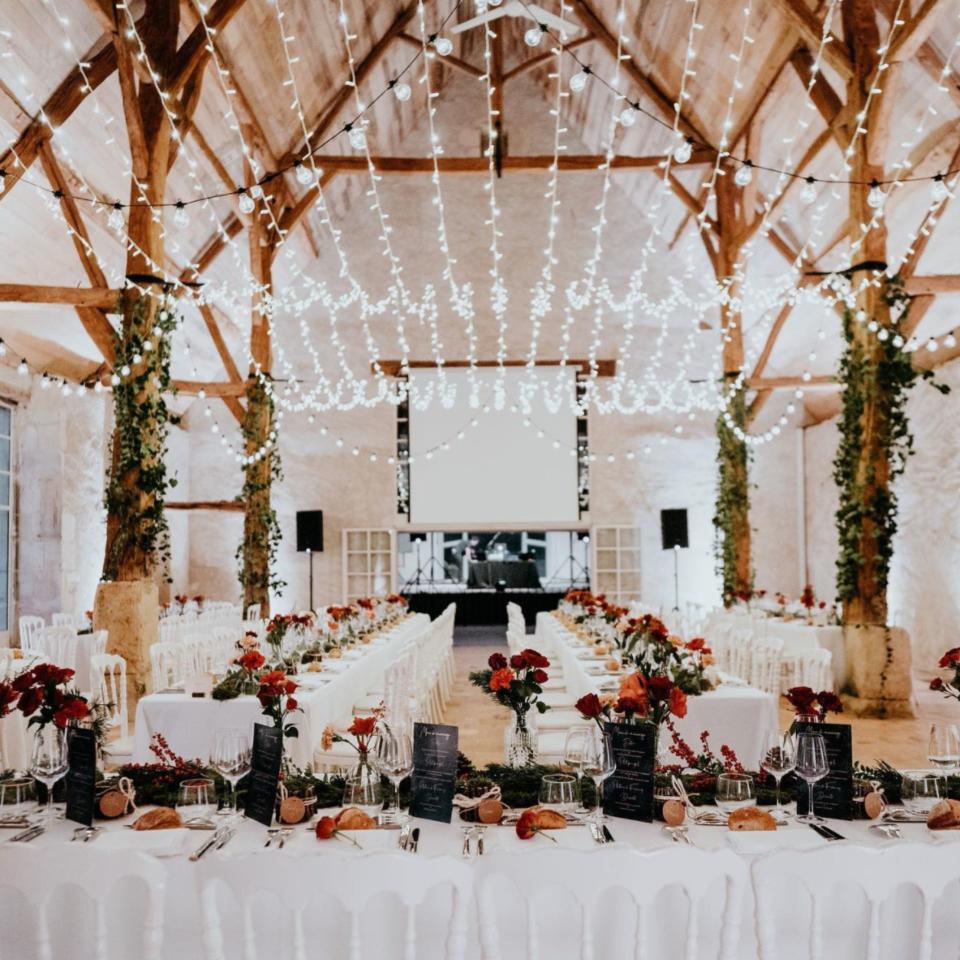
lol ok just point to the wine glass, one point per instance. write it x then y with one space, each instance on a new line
48 763
16 798
598 764
779 758
231 759
944 749
734 792
812 765
392 757
573 747
920 791
196 801
557 792
363 792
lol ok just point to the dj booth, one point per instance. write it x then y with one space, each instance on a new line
502 575
483 607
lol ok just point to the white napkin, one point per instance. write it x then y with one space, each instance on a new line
159 843
755 842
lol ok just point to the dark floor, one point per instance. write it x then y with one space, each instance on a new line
485 635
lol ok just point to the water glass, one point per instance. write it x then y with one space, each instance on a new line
392 757
734 792
944 749
779 758
558 792
598 764
573 746
197 801
48 762
921 790
231 758
363 792
812 766
16 798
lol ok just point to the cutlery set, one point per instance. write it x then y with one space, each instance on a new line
471 833
600 833
220 839
828 833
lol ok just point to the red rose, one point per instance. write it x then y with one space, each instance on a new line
363 726
252 661
75 708
950 657
540 676
629 703
291 703
326 828
678 702
697 643
30 700
497 661
589 706
501 678
23 681
801 699
829 702
659 687
8 698
935 684
518 661
535 659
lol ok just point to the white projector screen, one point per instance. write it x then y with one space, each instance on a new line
501 472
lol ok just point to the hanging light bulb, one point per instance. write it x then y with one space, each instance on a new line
357 137
443 46
809 192
303 173
181 218
45 382
579 80
939 191
950 341
683 151
744 173
401 90
628 115
115 220
22 368
534 36
246 203
932 345
876 196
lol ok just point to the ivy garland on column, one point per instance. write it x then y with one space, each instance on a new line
257 553
732 511
137 481
884 382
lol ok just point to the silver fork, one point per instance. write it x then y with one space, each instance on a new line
272 834
466 851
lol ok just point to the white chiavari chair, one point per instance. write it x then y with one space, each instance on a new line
75 621
58 645
167 665
765 666
303 889
253 612
98 642
847 896
808 668
109 675
587 878
104 880
29 627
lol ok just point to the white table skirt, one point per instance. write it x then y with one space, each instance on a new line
188 724
558 920
740 717
14 742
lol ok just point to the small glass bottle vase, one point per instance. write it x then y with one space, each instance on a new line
520 740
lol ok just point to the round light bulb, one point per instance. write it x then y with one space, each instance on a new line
932 345
533 37
22 368
303 173
181 218
628 116
246 203
357 137
744 174
809 192
939 191
949 341
115 220
876 196
443 46
401 91
684 151
578 81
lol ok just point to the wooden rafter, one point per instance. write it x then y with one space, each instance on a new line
233 506
806 23
790 383
918 310
462 66
824 97
910 38
940 283
533 62
98 297
195 49
233 373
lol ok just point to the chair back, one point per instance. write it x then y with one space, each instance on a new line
253 612
588 876
815 669
299 884
75 621
878 876
109 677
41 876
29 627
58 645
167 665
765 666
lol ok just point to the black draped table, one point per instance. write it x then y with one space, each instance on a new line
515 574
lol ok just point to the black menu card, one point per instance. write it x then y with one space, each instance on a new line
434 771
264 773
81 780
833 795
628 792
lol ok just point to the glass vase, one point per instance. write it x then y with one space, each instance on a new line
520 741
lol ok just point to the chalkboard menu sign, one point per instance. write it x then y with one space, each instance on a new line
833 795
81 780
628 792
434 771
264 773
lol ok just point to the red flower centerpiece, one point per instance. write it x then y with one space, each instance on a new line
813 707
45 698
949 688
276 697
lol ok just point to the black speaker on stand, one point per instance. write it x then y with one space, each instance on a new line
310 538
674 536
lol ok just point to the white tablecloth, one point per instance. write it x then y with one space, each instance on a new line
14 742
738 716
796 635
188 724
558 919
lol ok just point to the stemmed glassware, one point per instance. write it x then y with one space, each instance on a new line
779 758
231 758
734 792
920 791
48 763
598 764
196 801
392 757
16 798
944 749
557 792
812 765
573 747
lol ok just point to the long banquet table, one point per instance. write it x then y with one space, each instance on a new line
558 920
189 723
733 714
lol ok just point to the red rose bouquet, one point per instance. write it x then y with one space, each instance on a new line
276 697
949 661
808 598
362 729
282 624
807 703
43 696
516 683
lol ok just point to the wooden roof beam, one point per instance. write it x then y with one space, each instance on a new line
526 65
97 297
806 23
565 163
194 51
448 61
824 97
791 383
910 38
921 286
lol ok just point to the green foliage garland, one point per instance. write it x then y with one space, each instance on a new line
733 496
885 383
141 424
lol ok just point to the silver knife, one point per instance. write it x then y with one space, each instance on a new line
27 835
404 837
607 835
228 835
415 839
204 847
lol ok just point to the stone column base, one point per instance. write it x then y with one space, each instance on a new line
129 611
879 671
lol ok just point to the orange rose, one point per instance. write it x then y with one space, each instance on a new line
678 702
500 679
633 687
363 726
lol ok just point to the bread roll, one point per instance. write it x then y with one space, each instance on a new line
945 815
160 818
314 666
751 818
547 819
612 666
489 811
355 819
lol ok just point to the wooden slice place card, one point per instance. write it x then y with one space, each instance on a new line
833 795
628 792
81 780
434 775
264 773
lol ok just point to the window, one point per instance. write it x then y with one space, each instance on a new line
367 563
6 493
616 562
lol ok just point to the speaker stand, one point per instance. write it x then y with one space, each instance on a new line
310 554
676 579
